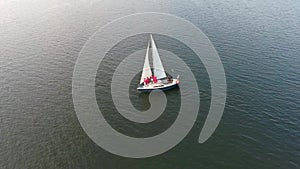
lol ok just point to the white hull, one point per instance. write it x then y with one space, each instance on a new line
160 85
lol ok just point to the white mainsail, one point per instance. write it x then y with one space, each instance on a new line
146 69
158 69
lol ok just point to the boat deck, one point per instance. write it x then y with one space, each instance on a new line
159 85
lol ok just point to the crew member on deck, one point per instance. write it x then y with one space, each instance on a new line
154 79
148 80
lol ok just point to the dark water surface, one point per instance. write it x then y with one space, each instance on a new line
257 41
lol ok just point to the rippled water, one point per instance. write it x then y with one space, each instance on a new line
257 41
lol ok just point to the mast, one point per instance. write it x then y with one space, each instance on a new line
158 69
146 69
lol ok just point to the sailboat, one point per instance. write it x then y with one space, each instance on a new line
155 78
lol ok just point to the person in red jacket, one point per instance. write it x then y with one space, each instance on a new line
148 80
154 79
